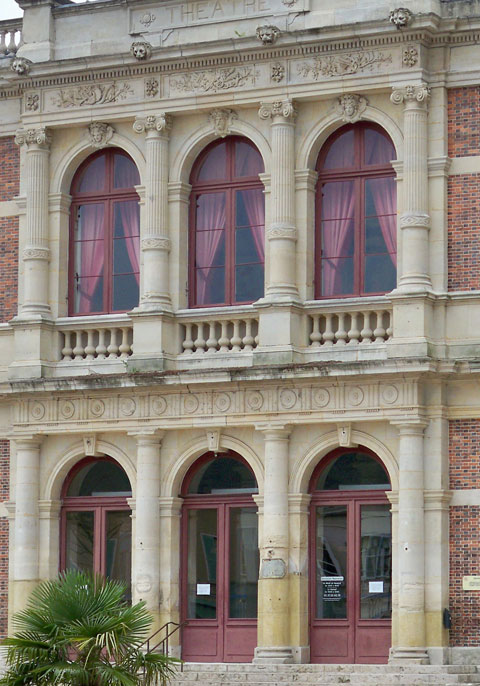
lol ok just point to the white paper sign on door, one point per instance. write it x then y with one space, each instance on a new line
375 586
203 589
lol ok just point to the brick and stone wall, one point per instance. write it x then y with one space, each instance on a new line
4 496
9 187
464 191
464 532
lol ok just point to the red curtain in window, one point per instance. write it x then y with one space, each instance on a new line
384 192
210 215
130 218
92 253
255 207
337 206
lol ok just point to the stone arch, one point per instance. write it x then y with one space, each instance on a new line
317 136
305 465
199 139
172 483
53 486
70 162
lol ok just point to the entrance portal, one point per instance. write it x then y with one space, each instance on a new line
220 561
350 553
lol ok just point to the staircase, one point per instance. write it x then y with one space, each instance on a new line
324 675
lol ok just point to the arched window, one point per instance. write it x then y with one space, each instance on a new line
96 525
227 221
104 235
356 227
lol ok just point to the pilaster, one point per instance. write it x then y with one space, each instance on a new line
170 518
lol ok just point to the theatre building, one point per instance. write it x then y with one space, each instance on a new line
240 320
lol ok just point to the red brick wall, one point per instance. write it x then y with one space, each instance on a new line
463 119
464 453
464 232
9 187
4 495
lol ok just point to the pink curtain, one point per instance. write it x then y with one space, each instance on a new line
92 256
385 199
337 206
210 215
130 217
255 207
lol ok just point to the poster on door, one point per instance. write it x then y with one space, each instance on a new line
332 588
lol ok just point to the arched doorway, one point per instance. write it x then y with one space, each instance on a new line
96 525
220 560
350 559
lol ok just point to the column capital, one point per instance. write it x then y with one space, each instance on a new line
39 138
417 94
274 432
27 442
413 427
148 436
153 124
299 503
279 110
170 506
49 509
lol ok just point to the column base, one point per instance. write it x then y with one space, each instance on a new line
417 656
280 655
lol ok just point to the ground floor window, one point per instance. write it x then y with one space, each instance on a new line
96 525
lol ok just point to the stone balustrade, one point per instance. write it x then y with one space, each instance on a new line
88 341
208 334
350 325
10 36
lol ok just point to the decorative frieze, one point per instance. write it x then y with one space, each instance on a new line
277 72
410 56
388 399
152 88
92 94
213 80
32 102
344 65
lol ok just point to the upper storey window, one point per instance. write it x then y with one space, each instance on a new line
356 235
227 245
104 235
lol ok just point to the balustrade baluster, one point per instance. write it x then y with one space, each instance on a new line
379 331
354 332
366 332
67 347
12 46
315 336
3 43
236 338
90 349
248 339
328 334
78 350
211 340
187 344
124 347
101 347
224 341
112 348
199 341
341 334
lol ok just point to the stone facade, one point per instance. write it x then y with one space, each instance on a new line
287 379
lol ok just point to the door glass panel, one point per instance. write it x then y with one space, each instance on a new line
79 543
375 562
119 547
331 562
244 562
202 564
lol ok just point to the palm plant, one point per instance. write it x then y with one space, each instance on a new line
78 630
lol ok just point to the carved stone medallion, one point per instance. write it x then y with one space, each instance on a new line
141 50
100 134
351 107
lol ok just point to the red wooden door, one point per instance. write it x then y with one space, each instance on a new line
219 579
350 577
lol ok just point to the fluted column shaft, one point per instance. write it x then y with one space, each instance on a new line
155 241
146 574
36 253
273 616
410 629
282 232
26 526
415 220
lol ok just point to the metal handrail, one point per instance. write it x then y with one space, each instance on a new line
170 628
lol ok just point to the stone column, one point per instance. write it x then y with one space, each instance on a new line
26 525
282 232
146 571
155 241
36 253
410 626
170 517
414 220
273 586
299 510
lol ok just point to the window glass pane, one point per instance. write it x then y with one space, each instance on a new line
375 562
341 153
100 478
214 166
92 179
210 214
125 172
118 551
79 541
244 562
126 220
337 276
380 274
210 286
338 200
378 148
89 222
125 292
223 475
248 161
331 562
246 247
338 238
121 256
374 241
352 472
249 282
210 249
88 294
202 564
